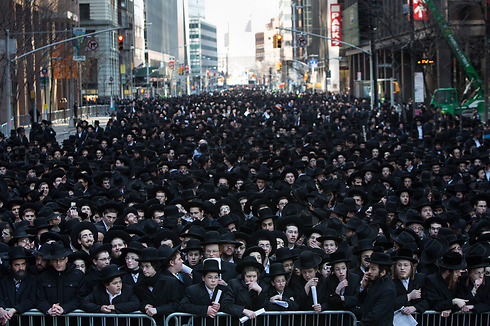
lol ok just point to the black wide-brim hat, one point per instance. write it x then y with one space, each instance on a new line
209 266
338 256
17 252
166 252
134 247
283 222
112 234
165 234
283 254
403 254
475 261
433 250
307 259
57 251
110 272
149 255
249 261
451 260
330 234
212 237
277 269
98 248
192 244
380 258
79 227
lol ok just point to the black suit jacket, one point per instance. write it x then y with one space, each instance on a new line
23 299
238 297
165 296
124 303
196 299
439 296
333 301
402 299
379 303
481 300
186 279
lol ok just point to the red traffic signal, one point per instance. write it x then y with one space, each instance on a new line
279 41
120 44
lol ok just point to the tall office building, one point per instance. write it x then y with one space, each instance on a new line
203 52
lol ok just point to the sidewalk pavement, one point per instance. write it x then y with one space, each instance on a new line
63 129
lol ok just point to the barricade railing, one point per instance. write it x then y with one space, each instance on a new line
434 318
64 115
268 318
30 318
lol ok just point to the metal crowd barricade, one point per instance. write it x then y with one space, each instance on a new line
94 319
272 318
431 318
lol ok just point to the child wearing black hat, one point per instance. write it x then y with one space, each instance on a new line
279 297
203 299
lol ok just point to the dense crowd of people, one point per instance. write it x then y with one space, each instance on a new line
243 200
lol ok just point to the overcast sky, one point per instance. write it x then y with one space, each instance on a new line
237 13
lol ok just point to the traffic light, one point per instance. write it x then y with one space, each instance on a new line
274 41
278 66
120 44
181 70
279 40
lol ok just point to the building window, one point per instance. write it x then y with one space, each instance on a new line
85 11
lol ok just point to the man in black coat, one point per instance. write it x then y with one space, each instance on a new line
61 286
159 295
378 293
18 289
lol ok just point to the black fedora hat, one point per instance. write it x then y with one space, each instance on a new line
475 261
307 259
403 237
363 245
17 252
337 225
166 252
149 255
283 254
57 251
212 237
338 256
433 250
193 244
405 254
208 266
283 222
249 261
112 234
330 234
110 272
134 247
380 258
43 251
98 248
194 231
365 231
277 269
451 260
163 235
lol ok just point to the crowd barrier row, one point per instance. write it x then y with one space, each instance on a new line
79 317
272 318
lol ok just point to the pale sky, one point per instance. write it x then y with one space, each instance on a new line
237 13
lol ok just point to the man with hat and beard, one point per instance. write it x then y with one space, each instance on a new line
378 293
18 289
54 296
83 236
159 295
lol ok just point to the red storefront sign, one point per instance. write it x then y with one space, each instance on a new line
335 24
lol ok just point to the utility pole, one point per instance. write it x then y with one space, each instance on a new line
9 91
412 55
374 70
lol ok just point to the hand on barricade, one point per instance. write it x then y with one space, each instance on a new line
150 311
249 313
445 313
317 307
409 310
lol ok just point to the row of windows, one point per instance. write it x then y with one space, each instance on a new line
203 47
203 26
203 37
